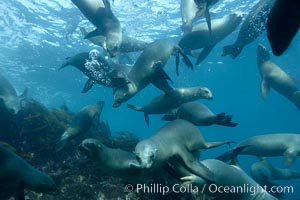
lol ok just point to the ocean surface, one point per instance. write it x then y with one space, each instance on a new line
33 45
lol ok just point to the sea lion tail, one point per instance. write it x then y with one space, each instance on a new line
225 120
297 99
232 50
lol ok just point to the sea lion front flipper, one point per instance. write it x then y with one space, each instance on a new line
88 85
208 20
290 156
160 81
93 33
204 53
134 165
210 145
23 97
186 60
146 116
193 179
195 166
264 88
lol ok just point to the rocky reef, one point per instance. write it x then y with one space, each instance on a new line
32 134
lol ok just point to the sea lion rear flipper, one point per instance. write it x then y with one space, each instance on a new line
93 33
225 120
264 88
204 53
20 195
232 50
88 85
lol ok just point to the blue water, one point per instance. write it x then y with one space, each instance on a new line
33 47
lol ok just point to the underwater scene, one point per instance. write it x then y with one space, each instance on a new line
149 99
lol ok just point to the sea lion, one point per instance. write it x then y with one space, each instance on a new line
15 171
268 145
99 13
273 76
231 177
193 8
81 123
264 173
101 72
200 37
115 162
282 25
128 44
149 69
252 27
8 96
178 138
167 101
199 114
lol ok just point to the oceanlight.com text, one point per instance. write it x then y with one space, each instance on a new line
207 188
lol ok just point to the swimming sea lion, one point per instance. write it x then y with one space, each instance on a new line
81 123
199 114
178 138
193 8
99 13
269 145
149 69
100 72
115 162
8 96
252 27
283 24
128 44
264 173
231 177
167 101
273 76
200 37
15 171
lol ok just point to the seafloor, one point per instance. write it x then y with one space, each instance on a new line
32 134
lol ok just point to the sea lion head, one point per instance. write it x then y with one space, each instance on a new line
91 148
262 53
113 42
12 104
203 93
146 154
123 93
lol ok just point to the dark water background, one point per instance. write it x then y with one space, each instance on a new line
33 46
